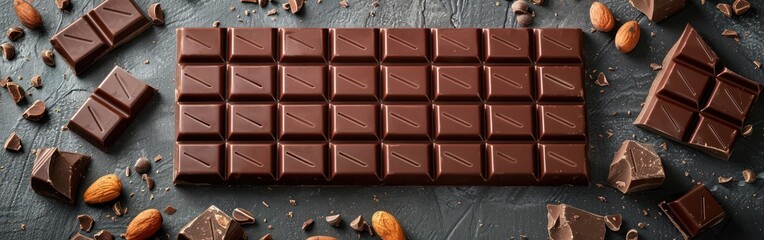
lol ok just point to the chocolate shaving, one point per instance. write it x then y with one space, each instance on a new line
296 5
656 66
8 51
729 33
358 224
723 180
632 235
747 130
156 14
749 176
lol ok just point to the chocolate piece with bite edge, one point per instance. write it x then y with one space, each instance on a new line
114 104
635 167
212 224
13 143
657 10
694 212
106 27
57 174
565 222
35 112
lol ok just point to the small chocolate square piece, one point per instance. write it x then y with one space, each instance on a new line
250 163
635 167
302 45
247 45
694 212
201 45
212 224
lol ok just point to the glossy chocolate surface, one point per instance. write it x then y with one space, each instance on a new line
57 174
380 106
694 212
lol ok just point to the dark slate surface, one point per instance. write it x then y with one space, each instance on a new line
425 212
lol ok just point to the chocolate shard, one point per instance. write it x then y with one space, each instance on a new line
57 174
565 222
212 224
103 235
36 111
86 222
13 143
243 216
694 212
16 91
78 236
635 167
657 10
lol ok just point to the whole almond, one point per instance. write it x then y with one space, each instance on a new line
27 14
321 238
144 225
386 226
601 17
103 190
627 37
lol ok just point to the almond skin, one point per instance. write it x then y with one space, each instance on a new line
27 14
145 225
627 37
386 226
103 190
601 17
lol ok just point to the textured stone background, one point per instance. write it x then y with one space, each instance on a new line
425 212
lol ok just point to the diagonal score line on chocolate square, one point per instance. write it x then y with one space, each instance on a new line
405 81
95 119
557 42
300 159
561 120
197 119
509 120
456 81
686 83
671 118
251 43
562 159
300 80
458 159
248 159
559 81
456 119
402 42
352 159
197 80
508 81
196 159
301 120
119 12
506 42
253 122
734 100
405 159
352 80
455 42
506 157
351 42
352 119
249 80
404 120
298 41
198 42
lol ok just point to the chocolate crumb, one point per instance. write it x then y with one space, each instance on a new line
117 208
749 176
726 9
8 51
86 222
48 58
292 202
729 33
747 130
757 64
599 185
266 205
344 4
645 212
4 82
170 210
723 180
656 66
271 12
334 220
642 225
270 227
602 199
149 181
216 23
13 143
37 81
103 235
602 80
157 158
307 224
266 236
17 93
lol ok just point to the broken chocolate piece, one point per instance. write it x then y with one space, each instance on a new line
632 235
170 210
86 222
78 236
156 14
149 181
37 81
749 176
4 82
8 51
296 5
13 143
657 10
334 220
48 58
723 180
358 224
747 130
35 112
729 33
243 216
142 165
16 91
57 174
565 222
741 6
602 80
117 208
14 33
635 167
103 235
307 224
212 224
694 212
726 9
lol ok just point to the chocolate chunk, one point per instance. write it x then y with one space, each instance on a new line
635 167
37 81
212 224
656 66
156 14
57 174
243 216
657 10
48 57
749 176
86 222
602 80
632 234
741 6
334 220
566 222
267 236
117 208
114 104
520 7
64 4
4 82
78 236
36 111
694 212
14 33
16 91
723 180
307 224
296 5
142 165
9 51
729 33
170 210
358 224
149 181
726 9
13 143
103 235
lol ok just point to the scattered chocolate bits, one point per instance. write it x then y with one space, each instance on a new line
271 12
48 58
170 210
642 225
64 4
149 181
8 51
656 66
103 235
266 236
117 208
296 5
156 14
292 202
216 24
35 112
632 235
344 4
17 93
749 176
747 130
723 180
726 9
142 165
334 220
602 80
37 81
243 216
741 6
602 199
13 143
520 7
307 224
729 33
86 222
14 33
285 6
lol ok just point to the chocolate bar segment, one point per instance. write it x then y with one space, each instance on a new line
110 109
212 224
57 174
694 212
696 101
90 37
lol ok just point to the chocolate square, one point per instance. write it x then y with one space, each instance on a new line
201 45
406 163
457 83
562 122
201 82
199 163
457 122
563 162
409 45
354 163
511 164
251 83
510 122
456 45
200 121
248 163
302 122
406 122
247 45
302 45
249 122
354 45
354 121
560 83
302 163
509 83
458 163
302 83
507 45
354 83
405 83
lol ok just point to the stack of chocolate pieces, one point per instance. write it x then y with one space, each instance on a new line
696 101
380 106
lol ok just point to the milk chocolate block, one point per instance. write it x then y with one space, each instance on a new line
635 167
696 101
57 174
106 27
212 224
114 104
310 106
657 10
565 222
694 212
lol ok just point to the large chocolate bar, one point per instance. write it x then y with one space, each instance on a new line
90 37
380 106
696 101
114 104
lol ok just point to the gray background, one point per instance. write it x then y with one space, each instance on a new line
425 212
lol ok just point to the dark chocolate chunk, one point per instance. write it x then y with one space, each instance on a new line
170 210
741 6
242 216
212 224
149 181
142 165
78 236
14 33
307 224
36 111
359 224
13 143
103 235
694 212
16 91
657 10
156 14
86 222
632 234
568 223
635 167
57 174
36 81
334 220
9 51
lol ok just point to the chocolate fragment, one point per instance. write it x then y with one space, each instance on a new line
106 27
114 104
566 222
170 210
296 5
64 4
149 181
78 236
656 66
37 81
48 58
632 234
117 208
9 51
103 235
142 165
726 9
212 224
14 33
635 167
307 224
267 236
243 216
35 112
694 212
4 82
520 7
602 80
13 143
359 224
57 174
723 180
749 176
657 10
156 14
334 220
16 91
729 33
86 222
741 6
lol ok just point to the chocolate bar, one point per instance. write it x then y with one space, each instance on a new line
212 224
380 106
635 167
57 174
657 10
114 104
106 27
696 101
694 212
